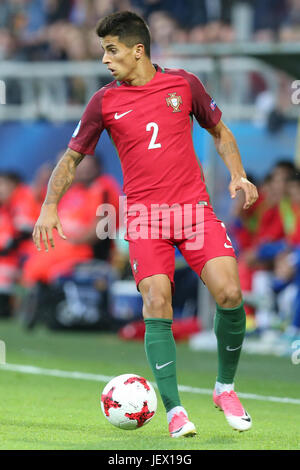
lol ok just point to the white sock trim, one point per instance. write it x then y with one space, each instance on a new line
173 411
220 388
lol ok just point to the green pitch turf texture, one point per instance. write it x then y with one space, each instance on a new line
43 412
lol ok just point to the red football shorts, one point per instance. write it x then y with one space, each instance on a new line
200 236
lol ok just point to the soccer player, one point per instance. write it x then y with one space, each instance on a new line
148 112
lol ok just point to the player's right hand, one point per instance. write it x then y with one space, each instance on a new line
43 229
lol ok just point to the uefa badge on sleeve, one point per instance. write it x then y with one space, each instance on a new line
213 104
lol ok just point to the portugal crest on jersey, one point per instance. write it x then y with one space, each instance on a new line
174 101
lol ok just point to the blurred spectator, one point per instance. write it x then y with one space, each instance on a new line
266 239
271 109
93 45
5 13
57 10
162 27
290 28
80 268
18 212
18 201
8 45
286 281
103 189
77 211
268 17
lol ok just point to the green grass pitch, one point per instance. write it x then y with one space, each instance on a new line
49 412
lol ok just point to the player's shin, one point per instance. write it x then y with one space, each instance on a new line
161 354
230 326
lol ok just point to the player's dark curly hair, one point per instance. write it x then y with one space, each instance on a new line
130 28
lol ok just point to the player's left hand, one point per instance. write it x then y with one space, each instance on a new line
249 189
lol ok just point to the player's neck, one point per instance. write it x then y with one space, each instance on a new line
142 74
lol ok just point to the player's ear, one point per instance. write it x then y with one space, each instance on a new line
139 51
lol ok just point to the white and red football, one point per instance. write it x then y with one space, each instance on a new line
128 401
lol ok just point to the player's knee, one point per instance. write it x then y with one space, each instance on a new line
229 296
157 305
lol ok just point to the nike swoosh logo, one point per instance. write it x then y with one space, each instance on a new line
228 348
163 365
177 430
119 116
227 246
248 417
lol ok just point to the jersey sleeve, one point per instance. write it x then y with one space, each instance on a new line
87 133
204 108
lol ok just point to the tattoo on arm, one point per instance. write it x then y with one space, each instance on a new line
230 154
228 149
62 176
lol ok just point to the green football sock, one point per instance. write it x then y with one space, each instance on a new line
230 326
160 350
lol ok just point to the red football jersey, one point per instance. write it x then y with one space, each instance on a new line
151 128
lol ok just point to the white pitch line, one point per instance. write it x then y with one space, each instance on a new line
106 378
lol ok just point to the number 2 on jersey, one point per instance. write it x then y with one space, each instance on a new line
153 144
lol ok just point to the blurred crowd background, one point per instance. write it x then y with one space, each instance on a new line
86 282
61 29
